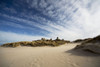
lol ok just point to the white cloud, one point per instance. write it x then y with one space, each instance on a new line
84 23
14 37
70 24
42 4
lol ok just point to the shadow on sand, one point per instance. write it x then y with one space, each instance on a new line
80 52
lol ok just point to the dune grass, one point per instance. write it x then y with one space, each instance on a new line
91 45
42 42
82 40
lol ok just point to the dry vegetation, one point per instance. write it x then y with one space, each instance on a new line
42 42
92 45
81 40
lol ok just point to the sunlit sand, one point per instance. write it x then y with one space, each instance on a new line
61 56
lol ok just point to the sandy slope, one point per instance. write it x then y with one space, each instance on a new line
61 56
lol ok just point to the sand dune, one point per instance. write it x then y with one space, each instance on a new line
91 45
61 56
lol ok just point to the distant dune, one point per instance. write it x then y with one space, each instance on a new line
42 42
91 45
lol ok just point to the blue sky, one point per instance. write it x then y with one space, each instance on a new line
26 20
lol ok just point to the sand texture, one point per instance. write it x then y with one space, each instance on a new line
61 56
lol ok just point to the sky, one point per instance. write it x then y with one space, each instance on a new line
27 20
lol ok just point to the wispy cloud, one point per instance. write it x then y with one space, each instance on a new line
13 37
68 19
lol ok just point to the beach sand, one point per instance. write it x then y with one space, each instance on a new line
61 56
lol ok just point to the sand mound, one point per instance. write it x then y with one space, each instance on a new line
92 45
